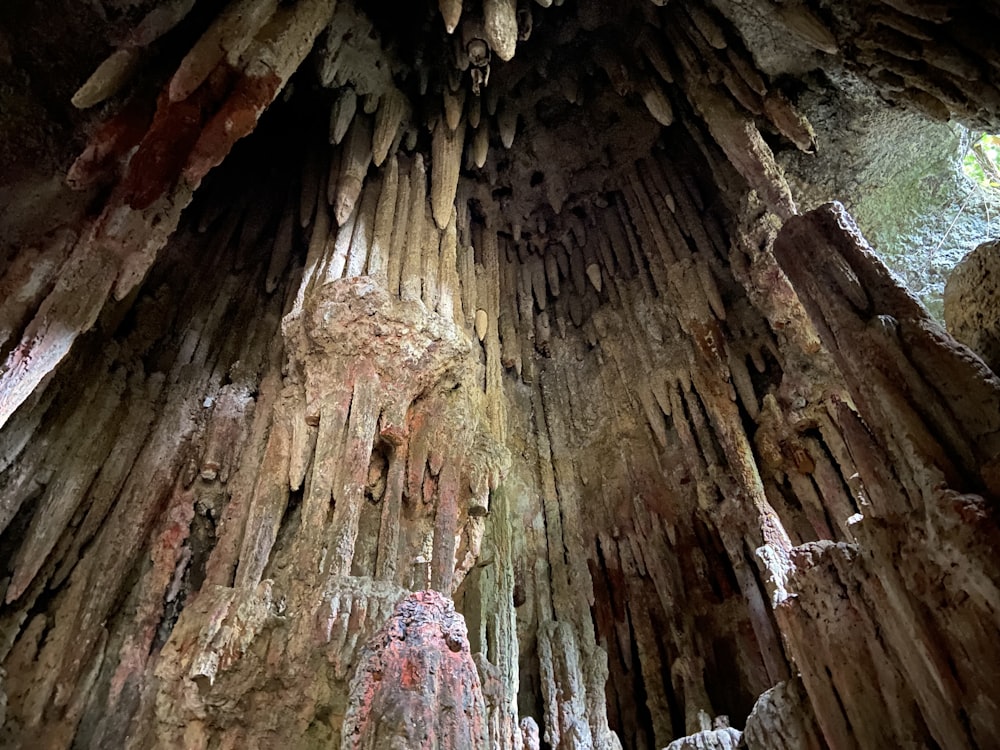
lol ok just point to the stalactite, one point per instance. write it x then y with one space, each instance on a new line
356 157
500 25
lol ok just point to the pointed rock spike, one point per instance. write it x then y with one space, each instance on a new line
341 114
110 76
387 121
446 156
355 158
451 11
594 275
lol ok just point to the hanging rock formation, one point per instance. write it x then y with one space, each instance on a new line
464 374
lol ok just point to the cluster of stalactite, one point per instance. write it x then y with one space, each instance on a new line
681 458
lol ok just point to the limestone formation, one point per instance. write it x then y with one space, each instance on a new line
971 307
725 738
466 374
416 684
782 719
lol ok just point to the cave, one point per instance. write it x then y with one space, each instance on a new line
505 374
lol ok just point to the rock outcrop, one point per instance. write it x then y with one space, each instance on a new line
971 311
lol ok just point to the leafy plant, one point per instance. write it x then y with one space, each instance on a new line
982 163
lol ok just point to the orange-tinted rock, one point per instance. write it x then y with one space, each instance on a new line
236 118
161 155
112 141
416 685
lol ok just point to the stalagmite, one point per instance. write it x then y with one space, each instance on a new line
430 263
449 298
318 241
397 247
536 272
412 251
333 177
423 648
338 246
361 238
378 262
508 321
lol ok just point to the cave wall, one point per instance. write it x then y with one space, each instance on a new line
345 323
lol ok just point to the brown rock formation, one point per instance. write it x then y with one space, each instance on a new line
970 303
465 376
416 685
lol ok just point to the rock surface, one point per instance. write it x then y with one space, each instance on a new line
468 375
782 719
416 685
709 739
972 303
900 175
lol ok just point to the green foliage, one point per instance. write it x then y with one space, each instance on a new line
982 163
